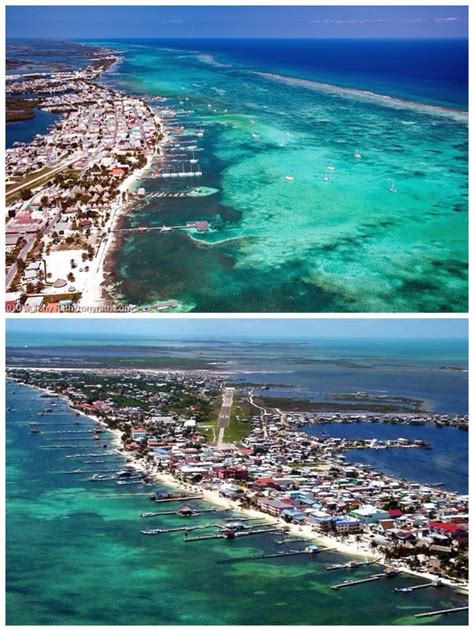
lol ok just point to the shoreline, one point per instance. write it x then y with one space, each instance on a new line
213 497
96 291
93 295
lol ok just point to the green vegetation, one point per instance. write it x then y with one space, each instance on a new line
239 426
24 181
306 405
20 109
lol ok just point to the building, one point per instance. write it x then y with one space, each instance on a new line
368 514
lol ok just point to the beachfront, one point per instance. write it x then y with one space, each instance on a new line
302 483
67 190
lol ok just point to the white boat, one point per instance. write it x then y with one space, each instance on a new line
290 178
326 178
392 188
357 155
330 167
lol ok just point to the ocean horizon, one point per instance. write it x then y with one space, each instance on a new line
275 115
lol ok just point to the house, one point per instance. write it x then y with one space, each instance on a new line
347 525
138 434
369 514
236 473
273 507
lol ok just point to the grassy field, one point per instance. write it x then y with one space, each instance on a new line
306 405
209 427
238 429
24 181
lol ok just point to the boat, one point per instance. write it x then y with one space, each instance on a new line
97 477
312 549
330 167
357 155
326 178
34 430
392 188
290 178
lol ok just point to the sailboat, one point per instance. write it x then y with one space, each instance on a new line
326 178
357 155
392 188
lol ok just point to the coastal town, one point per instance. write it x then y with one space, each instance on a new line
219 442
66 190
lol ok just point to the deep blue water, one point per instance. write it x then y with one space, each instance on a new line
26 130
426 70
434 371
446 462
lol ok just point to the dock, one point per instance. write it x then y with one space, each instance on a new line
162 531
200 226
350 565
358 582
234 535
412 588
178 499
275 555
176 512
373 577
440 612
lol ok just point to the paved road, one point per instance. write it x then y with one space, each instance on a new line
224 415
263 412
30 239
54 171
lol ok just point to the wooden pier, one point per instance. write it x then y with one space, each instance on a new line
162 531
236 534
275 555
176 512
440 612
412 588
181 498
374 577
350 565
200 226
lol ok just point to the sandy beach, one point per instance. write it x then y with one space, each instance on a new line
94 297
351 548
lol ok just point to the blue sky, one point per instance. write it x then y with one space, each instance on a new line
253 328
66 22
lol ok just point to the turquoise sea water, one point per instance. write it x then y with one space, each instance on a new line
75 555
304 244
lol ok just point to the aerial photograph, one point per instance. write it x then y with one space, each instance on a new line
236 471
247 159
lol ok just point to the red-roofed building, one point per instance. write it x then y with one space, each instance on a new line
262 483
237 473
451 530
118 171
395 513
